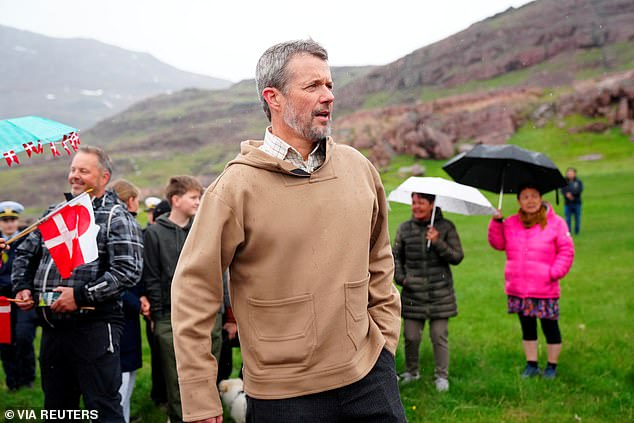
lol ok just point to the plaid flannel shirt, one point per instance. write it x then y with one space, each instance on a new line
118 267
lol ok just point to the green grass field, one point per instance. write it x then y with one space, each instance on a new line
595 380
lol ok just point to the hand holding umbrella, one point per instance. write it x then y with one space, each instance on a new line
450 196
432 235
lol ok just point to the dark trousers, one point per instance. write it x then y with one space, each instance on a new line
159 391
18 358
373 399
570 211
79 358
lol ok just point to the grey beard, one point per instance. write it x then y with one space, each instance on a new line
314 134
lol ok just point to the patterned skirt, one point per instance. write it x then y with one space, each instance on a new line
540 308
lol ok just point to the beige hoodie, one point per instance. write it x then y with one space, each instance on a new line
311 277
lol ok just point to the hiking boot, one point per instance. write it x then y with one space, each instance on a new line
549 373
407 377
442 384
530 371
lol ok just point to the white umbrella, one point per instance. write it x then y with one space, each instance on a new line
450 196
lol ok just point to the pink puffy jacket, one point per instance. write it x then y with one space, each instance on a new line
536 259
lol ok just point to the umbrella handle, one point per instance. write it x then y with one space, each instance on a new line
433 216
502 188
500 200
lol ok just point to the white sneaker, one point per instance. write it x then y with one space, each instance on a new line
407 377
442 384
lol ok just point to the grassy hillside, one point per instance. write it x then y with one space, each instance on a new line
596 376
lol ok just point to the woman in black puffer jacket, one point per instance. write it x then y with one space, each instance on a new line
425 276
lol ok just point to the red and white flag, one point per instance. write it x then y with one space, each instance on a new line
5 321
70 234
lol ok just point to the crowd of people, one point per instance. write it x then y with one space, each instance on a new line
289 247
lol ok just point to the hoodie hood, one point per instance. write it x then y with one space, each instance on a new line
251 155
164 221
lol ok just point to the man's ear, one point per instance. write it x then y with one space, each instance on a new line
273 97
106 177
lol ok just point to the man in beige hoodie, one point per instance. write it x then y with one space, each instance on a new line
301 223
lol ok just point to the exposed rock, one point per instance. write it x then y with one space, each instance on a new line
628 127
413 170
609 97
543 114
623 112
431 130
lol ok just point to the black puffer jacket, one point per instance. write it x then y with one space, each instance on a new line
424 273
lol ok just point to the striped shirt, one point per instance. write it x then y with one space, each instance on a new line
278 148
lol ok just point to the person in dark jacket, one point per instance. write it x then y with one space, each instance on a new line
572 199
18 357
428 293
163 243
79 350
155 207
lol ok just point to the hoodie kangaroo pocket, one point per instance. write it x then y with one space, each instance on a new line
357 320
283 331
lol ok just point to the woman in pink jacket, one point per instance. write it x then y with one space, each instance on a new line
539 252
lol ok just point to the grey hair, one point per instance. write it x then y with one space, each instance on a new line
102 156
271 68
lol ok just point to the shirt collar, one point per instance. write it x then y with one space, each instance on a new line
280 149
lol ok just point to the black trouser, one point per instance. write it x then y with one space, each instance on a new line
81 358
549 327
225 364
159 391
18 358
373 399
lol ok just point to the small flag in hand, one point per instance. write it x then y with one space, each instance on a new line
70 234
5 321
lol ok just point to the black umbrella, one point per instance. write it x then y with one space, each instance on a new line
504 169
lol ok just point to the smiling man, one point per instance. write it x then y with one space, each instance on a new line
301 223
79 352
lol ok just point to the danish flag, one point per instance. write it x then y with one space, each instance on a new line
5 321
70 234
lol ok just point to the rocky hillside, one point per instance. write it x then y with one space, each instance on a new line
439 128
544 43
78 81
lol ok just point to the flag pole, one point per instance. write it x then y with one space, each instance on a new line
34 226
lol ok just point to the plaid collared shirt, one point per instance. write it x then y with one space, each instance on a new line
280 149
118 267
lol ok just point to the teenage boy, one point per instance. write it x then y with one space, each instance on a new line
163 243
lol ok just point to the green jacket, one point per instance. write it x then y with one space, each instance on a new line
424 273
